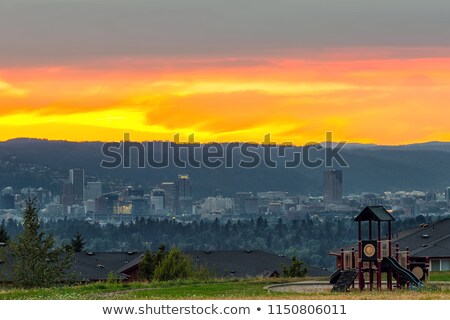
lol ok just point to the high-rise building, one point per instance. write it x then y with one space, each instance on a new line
251 206
332 186
170 191
410 206
93 190
245 203
140 207
183 196
214 205
68 197
157 201
43 196
183 186
430 196
134 193
76 177
106 203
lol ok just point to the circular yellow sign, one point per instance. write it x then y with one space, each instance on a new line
369 250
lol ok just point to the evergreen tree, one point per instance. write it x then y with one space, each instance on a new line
149 263
77 243
295 270
37 262
147 267
160 255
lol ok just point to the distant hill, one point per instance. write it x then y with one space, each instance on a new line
371 168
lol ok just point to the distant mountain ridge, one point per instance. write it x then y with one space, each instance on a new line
431 145
372 168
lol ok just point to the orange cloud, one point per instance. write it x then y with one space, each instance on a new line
383 100
8 90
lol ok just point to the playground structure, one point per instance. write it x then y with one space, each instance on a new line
374 257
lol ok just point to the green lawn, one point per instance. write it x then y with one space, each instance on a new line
217 289
440 276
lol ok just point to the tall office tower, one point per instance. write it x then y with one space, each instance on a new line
106 203
184 197
76 177
332 186
169 189
183 186
139 207
93 190
68 197
157 201
43 195
241 202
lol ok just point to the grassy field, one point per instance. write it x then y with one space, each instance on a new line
440 276
242 289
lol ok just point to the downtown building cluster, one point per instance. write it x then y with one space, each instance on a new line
86 197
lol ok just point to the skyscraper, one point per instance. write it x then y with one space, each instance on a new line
76 177
332 186
106 203
68 197
157 201
183 186
184 197
170 191
242 201
93 190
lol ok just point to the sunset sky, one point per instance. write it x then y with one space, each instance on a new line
230 70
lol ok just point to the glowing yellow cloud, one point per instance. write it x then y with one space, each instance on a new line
274 88
7 89
388 101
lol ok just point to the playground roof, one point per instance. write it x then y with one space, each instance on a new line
374 213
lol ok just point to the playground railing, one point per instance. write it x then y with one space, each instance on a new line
385 244
403 258
350 259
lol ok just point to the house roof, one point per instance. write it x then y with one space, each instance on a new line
439 249
97 266
85 272
374 213
111 261
237 263
85 267
427 240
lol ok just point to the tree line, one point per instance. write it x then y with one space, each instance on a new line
310 239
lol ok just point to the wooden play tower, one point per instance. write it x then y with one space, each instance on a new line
372 250
374 256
